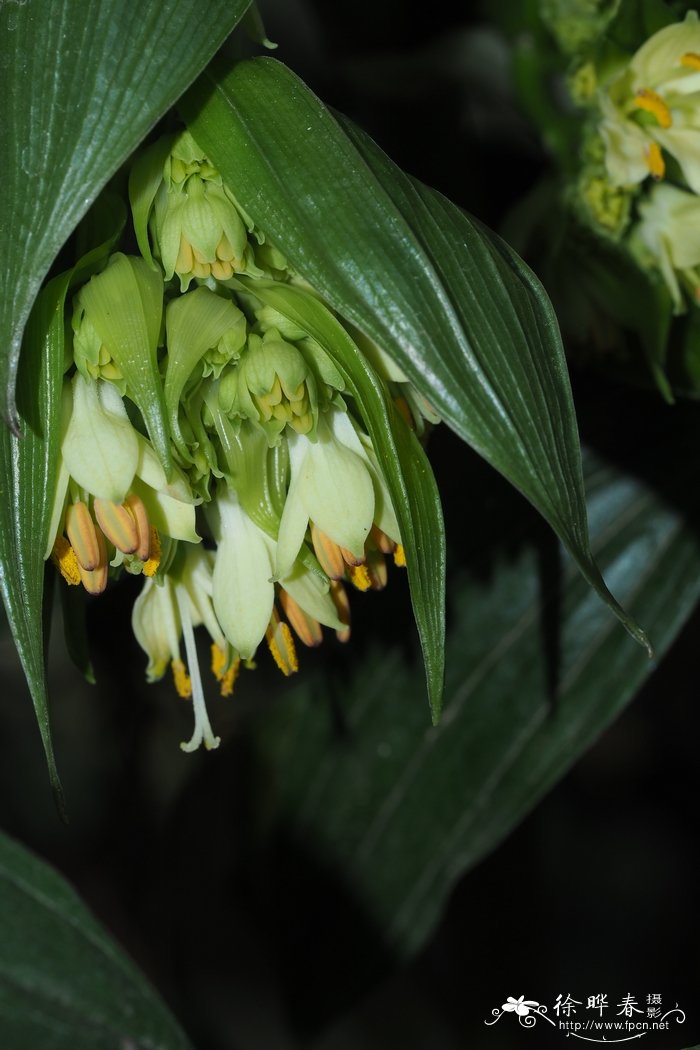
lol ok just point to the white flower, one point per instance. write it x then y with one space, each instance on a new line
163 612
243 588
654 105
669 236
331 485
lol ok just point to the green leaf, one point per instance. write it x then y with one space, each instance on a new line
398 813
28 469
458 310
63 982
83 84
414 493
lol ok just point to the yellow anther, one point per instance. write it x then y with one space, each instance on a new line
691 60
655 161
95 580
351 559
63 557
307 629
82 535
151 565
342 605
381 540
224 250
117 524
376 567
281 645
400 556
185 259
360 577
222 271
329 554
136 508
654 104
183 682
225 675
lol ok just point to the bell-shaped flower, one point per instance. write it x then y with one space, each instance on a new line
197 229
171 608
272 386
205 332
331 485
668 238
111 486
243 589
653 106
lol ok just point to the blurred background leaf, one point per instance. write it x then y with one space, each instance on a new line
63 982
84 84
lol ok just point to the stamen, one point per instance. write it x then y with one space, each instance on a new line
360 577
308 630
691 60
117 524
185 259
151 565
202 728
376 567
82 535
225 676
95 580
351 559
381 540
137 509
654 104
400 556
329 554
63 557
183 682
405 412
342 604
281 645
655 161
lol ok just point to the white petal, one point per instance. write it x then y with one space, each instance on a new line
338 494
295 518
243 592
309 592
156 626
100 447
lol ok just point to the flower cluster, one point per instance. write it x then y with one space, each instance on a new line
210 442
641 178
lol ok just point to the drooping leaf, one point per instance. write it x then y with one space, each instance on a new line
458 310
28 470
411 483
63 982
83 85
398 812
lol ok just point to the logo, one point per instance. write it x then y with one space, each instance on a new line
599 1021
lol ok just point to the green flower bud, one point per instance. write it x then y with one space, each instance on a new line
272 386
117 322
197 229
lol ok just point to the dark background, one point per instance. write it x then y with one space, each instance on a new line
595 891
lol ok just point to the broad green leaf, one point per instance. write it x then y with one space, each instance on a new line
460 312
83 85
399 811
411 483
63 982
28 469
